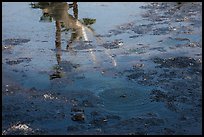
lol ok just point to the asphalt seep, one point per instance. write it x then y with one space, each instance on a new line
177 82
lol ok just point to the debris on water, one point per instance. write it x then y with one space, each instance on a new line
139 50
113 55
6 47
49 96
182 39
134 36
87 103
13 41
126 26
114 32
161 31
161 49
18 61
113 45
14 62
101 121
56 75
138 66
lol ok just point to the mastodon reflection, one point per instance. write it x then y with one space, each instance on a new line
58 11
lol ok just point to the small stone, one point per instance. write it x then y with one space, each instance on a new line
138 65
168 131
123 96
94 113
98 130
72 128
87 103
183 118
78 117
76 109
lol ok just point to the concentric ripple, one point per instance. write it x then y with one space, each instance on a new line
127 100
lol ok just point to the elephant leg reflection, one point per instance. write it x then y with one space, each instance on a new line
75 10
70 43
57 73
58 42
73 35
